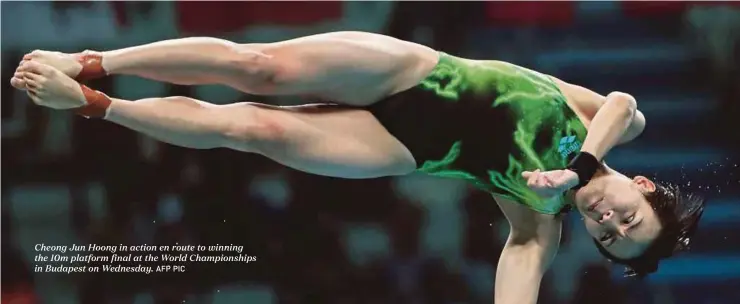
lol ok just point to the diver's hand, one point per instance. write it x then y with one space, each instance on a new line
548 184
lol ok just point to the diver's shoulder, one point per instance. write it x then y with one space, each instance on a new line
583 101
576 91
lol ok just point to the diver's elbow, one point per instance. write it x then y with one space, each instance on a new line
623 101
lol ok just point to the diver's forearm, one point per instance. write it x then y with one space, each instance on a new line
609 124
518 274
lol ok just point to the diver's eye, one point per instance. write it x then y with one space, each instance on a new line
606 237
629 219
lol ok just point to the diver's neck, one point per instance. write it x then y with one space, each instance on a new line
604 170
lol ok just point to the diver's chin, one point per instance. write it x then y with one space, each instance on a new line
584 197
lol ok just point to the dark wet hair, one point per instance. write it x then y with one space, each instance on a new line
679 216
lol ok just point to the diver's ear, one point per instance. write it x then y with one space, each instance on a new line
644 183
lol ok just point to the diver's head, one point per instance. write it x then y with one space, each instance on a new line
635 221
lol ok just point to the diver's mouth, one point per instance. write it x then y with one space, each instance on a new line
593 205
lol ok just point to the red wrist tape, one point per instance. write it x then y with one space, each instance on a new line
92 66
97 103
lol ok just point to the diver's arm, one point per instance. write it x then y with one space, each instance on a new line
616 121
589 103
635 128
530 248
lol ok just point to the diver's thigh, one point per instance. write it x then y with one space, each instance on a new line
336 141
352 68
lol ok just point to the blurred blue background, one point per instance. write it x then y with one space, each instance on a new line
413 239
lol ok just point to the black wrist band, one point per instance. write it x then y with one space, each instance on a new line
585 165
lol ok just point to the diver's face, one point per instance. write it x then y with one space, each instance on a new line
617 214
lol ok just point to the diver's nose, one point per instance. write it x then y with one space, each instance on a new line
606 216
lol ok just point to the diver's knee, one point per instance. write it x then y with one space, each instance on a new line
256 130
255 66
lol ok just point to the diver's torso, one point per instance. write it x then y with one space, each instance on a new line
485 122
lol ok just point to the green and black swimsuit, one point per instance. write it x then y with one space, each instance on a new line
485 122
